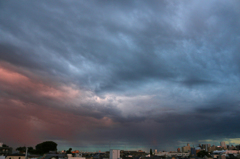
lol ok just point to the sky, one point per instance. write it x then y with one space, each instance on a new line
95 75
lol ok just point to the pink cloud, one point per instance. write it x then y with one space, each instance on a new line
33 110
17 81
29 124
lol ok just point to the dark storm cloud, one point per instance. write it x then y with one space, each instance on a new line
119 61
27 58
120 64
196 81
138 68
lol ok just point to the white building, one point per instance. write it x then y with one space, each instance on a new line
170 154
226 151
70 156
114 154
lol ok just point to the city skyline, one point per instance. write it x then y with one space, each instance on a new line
199 147
97 73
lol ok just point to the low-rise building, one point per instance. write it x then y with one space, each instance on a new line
171 154
75 156
21 156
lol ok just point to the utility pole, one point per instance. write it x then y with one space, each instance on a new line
26 155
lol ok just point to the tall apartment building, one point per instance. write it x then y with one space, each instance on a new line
186 148
193 152
114 154
222 144
206 147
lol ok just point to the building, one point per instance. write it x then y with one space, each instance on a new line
114 154
21 156
193 152
178 150
198 149
232 152
212 148
223 145
171 154
232 147
132 153
75 156
206 147
186 149
155 151
222 157
16 156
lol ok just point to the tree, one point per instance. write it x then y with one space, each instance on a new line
21 149
150 152
45 147
69 151
31 150
4 145
202 154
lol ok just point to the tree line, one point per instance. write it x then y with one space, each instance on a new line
40 149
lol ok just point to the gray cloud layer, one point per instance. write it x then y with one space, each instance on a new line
165 69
